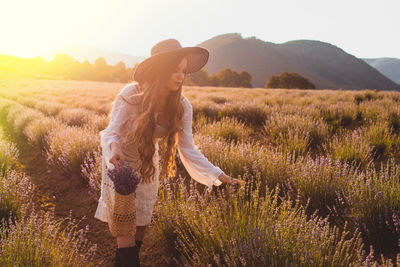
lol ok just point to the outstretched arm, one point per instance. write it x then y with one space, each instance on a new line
197 165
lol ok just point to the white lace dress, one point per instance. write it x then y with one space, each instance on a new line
198 167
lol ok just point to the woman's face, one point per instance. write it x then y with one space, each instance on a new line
177 76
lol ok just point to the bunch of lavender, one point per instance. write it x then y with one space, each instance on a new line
125 179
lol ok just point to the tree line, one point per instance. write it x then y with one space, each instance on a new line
64 66
289 80
225 78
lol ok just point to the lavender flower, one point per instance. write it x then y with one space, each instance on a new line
125 179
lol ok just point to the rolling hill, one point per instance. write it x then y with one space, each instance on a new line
325 65
390 67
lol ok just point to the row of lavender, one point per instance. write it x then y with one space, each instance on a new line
66 143
30 236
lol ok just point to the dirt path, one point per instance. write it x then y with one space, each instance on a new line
53 190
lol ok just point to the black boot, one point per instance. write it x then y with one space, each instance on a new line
117 259
138 245
128 256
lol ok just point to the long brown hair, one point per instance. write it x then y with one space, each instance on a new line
151 86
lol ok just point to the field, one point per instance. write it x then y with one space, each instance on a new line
322 170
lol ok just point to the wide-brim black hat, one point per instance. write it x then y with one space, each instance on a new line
197 57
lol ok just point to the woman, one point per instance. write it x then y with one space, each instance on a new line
142 113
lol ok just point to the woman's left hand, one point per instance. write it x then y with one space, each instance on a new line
226 179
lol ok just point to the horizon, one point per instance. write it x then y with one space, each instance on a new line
50 26
50 55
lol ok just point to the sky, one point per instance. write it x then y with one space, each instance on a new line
363 28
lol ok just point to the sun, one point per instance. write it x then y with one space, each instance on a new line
34 28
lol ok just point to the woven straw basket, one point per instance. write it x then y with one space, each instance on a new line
122 215
121 211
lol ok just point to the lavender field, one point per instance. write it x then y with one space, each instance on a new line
322 170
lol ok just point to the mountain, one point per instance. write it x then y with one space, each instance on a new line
82 53
324 64
390 67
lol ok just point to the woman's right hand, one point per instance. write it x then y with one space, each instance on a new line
229 180
116 155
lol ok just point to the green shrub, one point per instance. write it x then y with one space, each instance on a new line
351 147
373 200
295 133
218 99
379 137
338 115
321 183
15 191
76 116
8 155
247 160
37 131
227 128
394 121
69 146
42 240
247 112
